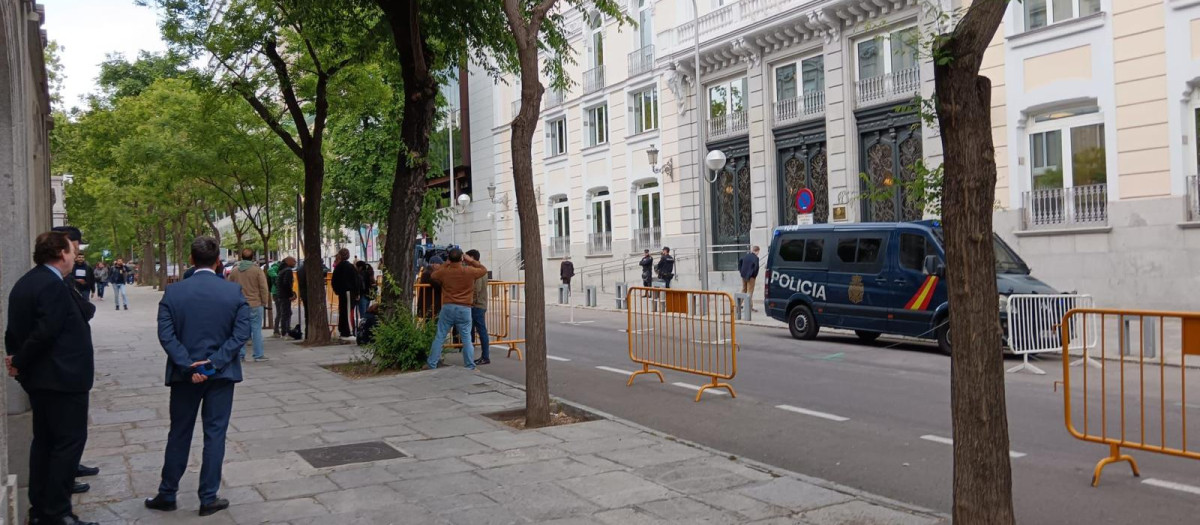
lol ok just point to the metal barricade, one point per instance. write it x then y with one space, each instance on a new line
1130 390
507 297
683 330
424 305
1033 325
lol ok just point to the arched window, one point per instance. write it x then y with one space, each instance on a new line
560 226
600 218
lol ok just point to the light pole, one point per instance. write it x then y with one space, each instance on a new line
700 149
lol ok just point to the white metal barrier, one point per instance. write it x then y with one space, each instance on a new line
1034 323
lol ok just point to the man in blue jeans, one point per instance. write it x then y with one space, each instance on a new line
258 295
457 279
479 314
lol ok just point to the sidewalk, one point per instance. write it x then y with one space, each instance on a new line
462 468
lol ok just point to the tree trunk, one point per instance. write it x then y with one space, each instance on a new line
180 230
982 473
146 273
159 266
409 186
314 273
537 381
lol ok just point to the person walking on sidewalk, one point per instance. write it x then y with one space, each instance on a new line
85 279
49 346
566 271
101 275
203 323
118 276
253 281
457 278
284 295
345 285
748 268
666 267
479 314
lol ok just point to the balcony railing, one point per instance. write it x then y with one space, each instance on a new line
731 125
641 61
647 239
894 86
593 79
1193 197
1077 207
559 246
810 105
554 98
599 243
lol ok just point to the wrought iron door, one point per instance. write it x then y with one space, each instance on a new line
889 147
802 164
731 209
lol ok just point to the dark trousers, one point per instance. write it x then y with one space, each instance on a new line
344 315
667 280
479 326
214 401
283 316
100 289
59 436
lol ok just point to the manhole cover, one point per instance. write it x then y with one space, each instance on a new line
347 454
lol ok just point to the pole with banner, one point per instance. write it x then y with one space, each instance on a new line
804 206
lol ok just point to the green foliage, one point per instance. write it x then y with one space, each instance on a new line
925 188
55 76
401 341
119 78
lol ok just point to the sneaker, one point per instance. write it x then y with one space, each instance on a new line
482 361
126 307
117 307
261 359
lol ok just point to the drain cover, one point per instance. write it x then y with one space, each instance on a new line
347 454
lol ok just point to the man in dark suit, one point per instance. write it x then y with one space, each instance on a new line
345 284
50 352
203 323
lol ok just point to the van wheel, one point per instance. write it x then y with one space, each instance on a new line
943 336
867 336
801 323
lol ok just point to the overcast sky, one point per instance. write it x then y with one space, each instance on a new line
90 29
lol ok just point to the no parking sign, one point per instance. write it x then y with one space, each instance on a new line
804 206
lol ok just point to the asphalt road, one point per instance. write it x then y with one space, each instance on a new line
875 417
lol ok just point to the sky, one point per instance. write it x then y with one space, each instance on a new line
90 29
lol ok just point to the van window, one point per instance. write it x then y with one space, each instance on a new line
802 250
912 252
859 254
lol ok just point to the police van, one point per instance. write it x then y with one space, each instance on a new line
874 278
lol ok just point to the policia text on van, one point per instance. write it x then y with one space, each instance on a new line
873 278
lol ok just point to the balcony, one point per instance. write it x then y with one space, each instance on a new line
809 106
647 239
1193 198
593 79
599 243
641 61
554 98
1077 207
731 125
892 87
559 247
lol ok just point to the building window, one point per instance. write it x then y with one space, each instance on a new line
645 23
727 98
1041 13
1068 168
560 227
596 39
888 54
600 239
812 78
596 122
645 110
648 233
556 137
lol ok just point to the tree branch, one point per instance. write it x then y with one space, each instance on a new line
288 91
974 32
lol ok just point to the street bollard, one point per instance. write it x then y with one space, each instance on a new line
1149 344
622 291
658 299
564 294
743 306
589 296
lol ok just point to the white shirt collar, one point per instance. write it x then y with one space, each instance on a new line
209 270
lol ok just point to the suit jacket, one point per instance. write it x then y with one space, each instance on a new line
205 317
345 279
48 335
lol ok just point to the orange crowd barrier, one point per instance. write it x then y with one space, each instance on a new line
1140 402
688 331
505 313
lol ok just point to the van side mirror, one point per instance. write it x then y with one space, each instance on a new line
934 266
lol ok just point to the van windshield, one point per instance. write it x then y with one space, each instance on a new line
1007 261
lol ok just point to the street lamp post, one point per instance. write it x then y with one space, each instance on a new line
700 149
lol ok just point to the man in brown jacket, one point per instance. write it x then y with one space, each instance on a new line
254 286
457 278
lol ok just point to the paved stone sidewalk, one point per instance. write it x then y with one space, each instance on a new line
463 468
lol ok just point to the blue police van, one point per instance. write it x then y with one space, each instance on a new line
874 278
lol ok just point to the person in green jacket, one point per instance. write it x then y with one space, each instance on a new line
272 278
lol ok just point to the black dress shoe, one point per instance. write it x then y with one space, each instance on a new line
216 506
160 503
69 519
80 488
83 471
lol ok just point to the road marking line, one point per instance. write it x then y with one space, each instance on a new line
556 358
948 441
614 370
813 413
1172 485
690 386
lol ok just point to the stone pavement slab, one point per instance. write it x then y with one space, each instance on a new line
463 468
